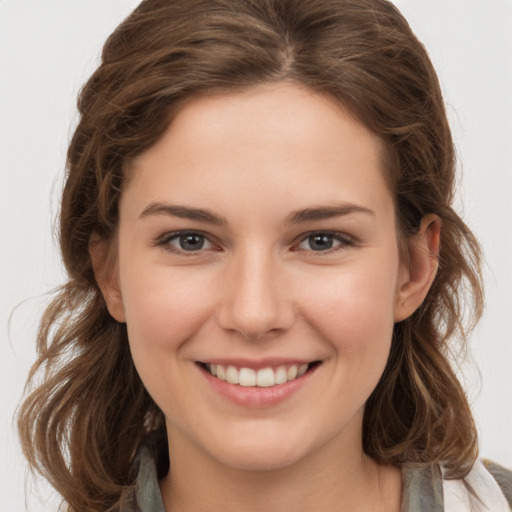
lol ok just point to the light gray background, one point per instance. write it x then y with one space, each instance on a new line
47 50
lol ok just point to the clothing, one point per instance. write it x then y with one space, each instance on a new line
424 489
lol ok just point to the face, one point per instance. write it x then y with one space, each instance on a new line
259 275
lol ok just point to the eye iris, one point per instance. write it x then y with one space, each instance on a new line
191 242
320 242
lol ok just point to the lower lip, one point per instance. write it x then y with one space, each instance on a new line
254 396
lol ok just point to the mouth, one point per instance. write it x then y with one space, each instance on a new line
266 377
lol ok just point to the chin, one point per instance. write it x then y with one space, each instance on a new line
261 451
260 459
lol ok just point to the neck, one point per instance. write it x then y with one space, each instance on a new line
349 481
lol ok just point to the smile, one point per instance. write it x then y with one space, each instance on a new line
263 378
259 384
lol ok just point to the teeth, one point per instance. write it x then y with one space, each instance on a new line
292 372
247 377
281 375
232 375
264 378
221 373
301 370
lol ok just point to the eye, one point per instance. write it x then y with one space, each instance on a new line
324 241
189 241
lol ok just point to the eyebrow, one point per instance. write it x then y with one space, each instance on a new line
296 217
326 212
184 212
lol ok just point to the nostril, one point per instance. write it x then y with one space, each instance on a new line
254 305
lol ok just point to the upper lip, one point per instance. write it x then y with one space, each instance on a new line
273 362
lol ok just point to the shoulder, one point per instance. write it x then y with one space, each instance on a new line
503 478
487 487
148 467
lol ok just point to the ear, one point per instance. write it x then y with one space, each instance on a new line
417 277
106 271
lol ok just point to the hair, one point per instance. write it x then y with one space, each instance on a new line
86 409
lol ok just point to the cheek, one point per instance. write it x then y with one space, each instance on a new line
355 312
165 307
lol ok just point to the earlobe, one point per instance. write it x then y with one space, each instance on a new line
105 268
417 279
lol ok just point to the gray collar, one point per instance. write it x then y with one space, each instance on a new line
422 486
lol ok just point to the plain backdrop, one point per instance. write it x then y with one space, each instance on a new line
47 50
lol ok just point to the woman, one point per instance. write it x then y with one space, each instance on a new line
264 271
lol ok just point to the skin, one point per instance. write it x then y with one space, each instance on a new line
257 290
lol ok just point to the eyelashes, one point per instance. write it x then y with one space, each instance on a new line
186 242
324 241
195 243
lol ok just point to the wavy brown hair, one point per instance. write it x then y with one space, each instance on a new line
86 409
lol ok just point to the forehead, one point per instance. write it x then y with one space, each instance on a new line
272 138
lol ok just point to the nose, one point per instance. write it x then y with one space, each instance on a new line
255 303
